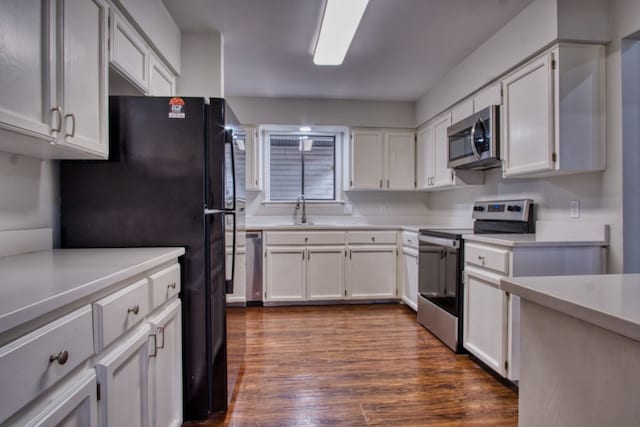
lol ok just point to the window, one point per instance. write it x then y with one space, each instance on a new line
302 164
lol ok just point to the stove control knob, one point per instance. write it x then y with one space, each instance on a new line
514 208
478 209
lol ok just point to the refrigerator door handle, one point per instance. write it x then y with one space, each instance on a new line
217 211
230 141
229 283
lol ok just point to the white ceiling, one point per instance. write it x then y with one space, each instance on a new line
400 50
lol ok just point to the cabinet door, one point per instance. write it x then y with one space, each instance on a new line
128 53
252 163
284 280
462 111
24 61
162 82
442 175
166 368
410 277
82 82
424 157
400 160
372 272
325 272
485 322
489 96
124 379
366 159
239 279
528 118
75 406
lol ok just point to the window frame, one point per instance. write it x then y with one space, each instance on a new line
339 133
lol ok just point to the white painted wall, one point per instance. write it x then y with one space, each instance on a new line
329 112
202 65
28 192
159 28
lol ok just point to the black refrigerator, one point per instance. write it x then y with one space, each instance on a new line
171 180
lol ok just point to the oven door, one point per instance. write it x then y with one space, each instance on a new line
438 272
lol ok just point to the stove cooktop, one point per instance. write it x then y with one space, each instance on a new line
453 233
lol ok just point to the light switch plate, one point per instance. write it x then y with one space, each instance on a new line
574 209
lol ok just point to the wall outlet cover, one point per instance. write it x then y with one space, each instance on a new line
574 209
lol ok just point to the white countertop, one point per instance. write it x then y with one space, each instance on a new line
37 283
345 227
611 301
530 240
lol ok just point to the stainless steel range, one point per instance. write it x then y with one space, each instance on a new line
441 261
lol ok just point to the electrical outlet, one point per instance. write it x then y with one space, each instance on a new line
574 209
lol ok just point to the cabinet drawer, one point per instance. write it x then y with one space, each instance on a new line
306 238
115 314
410 239
371 237
164 285
487 257
26 367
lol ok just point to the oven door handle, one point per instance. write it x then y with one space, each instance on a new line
439 241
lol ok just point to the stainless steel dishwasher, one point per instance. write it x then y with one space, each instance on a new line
254 268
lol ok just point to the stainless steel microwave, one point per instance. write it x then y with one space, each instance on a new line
474 141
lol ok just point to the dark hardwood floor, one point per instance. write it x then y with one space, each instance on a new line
347 365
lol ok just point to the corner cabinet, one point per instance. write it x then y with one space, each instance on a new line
382 160
54 82
554 113
432 158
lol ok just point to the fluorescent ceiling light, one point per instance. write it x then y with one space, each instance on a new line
339 24
305 129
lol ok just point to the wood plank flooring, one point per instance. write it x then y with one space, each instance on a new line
364 365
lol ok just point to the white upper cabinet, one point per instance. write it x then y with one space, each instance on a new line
382 159
24 61
489 96
400 150
442 175
424 157
462 111
366 159
128 53
554 114
253 180
82 85
162 82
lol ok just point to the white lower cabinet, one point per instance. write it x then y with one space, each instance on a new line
239 294
409 277
285 273
371 272
166 367
123 374
325 273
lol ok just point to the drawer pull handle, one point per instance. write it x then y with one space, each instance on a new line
135 309
172 285
61 357
481 259
373 239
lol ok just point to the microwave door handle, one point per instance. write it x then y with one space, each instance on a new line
473 139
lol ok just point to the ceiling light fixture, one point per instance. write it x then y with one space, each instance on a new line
305 129
339 24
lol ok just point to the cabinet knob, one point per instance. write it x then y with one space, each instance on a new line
135 309
61 357
481 259
171 285
373 239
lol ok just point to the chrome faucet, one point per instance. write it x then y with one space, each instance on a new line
303 219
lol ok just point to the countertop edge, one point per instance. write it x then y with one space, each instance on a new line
40 308
602 319
532 243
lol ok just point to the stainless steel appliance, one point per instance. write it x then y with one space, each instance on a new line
474 141
441 261
171 180
254 268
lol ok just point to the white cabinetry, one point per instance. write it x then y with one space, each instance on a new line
162 82
54 79
554 113
128 53
366 159
304 266
409 269
253 180
285 273
371 265
432 149
487 97
491 315
462 111
166 368
382 159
